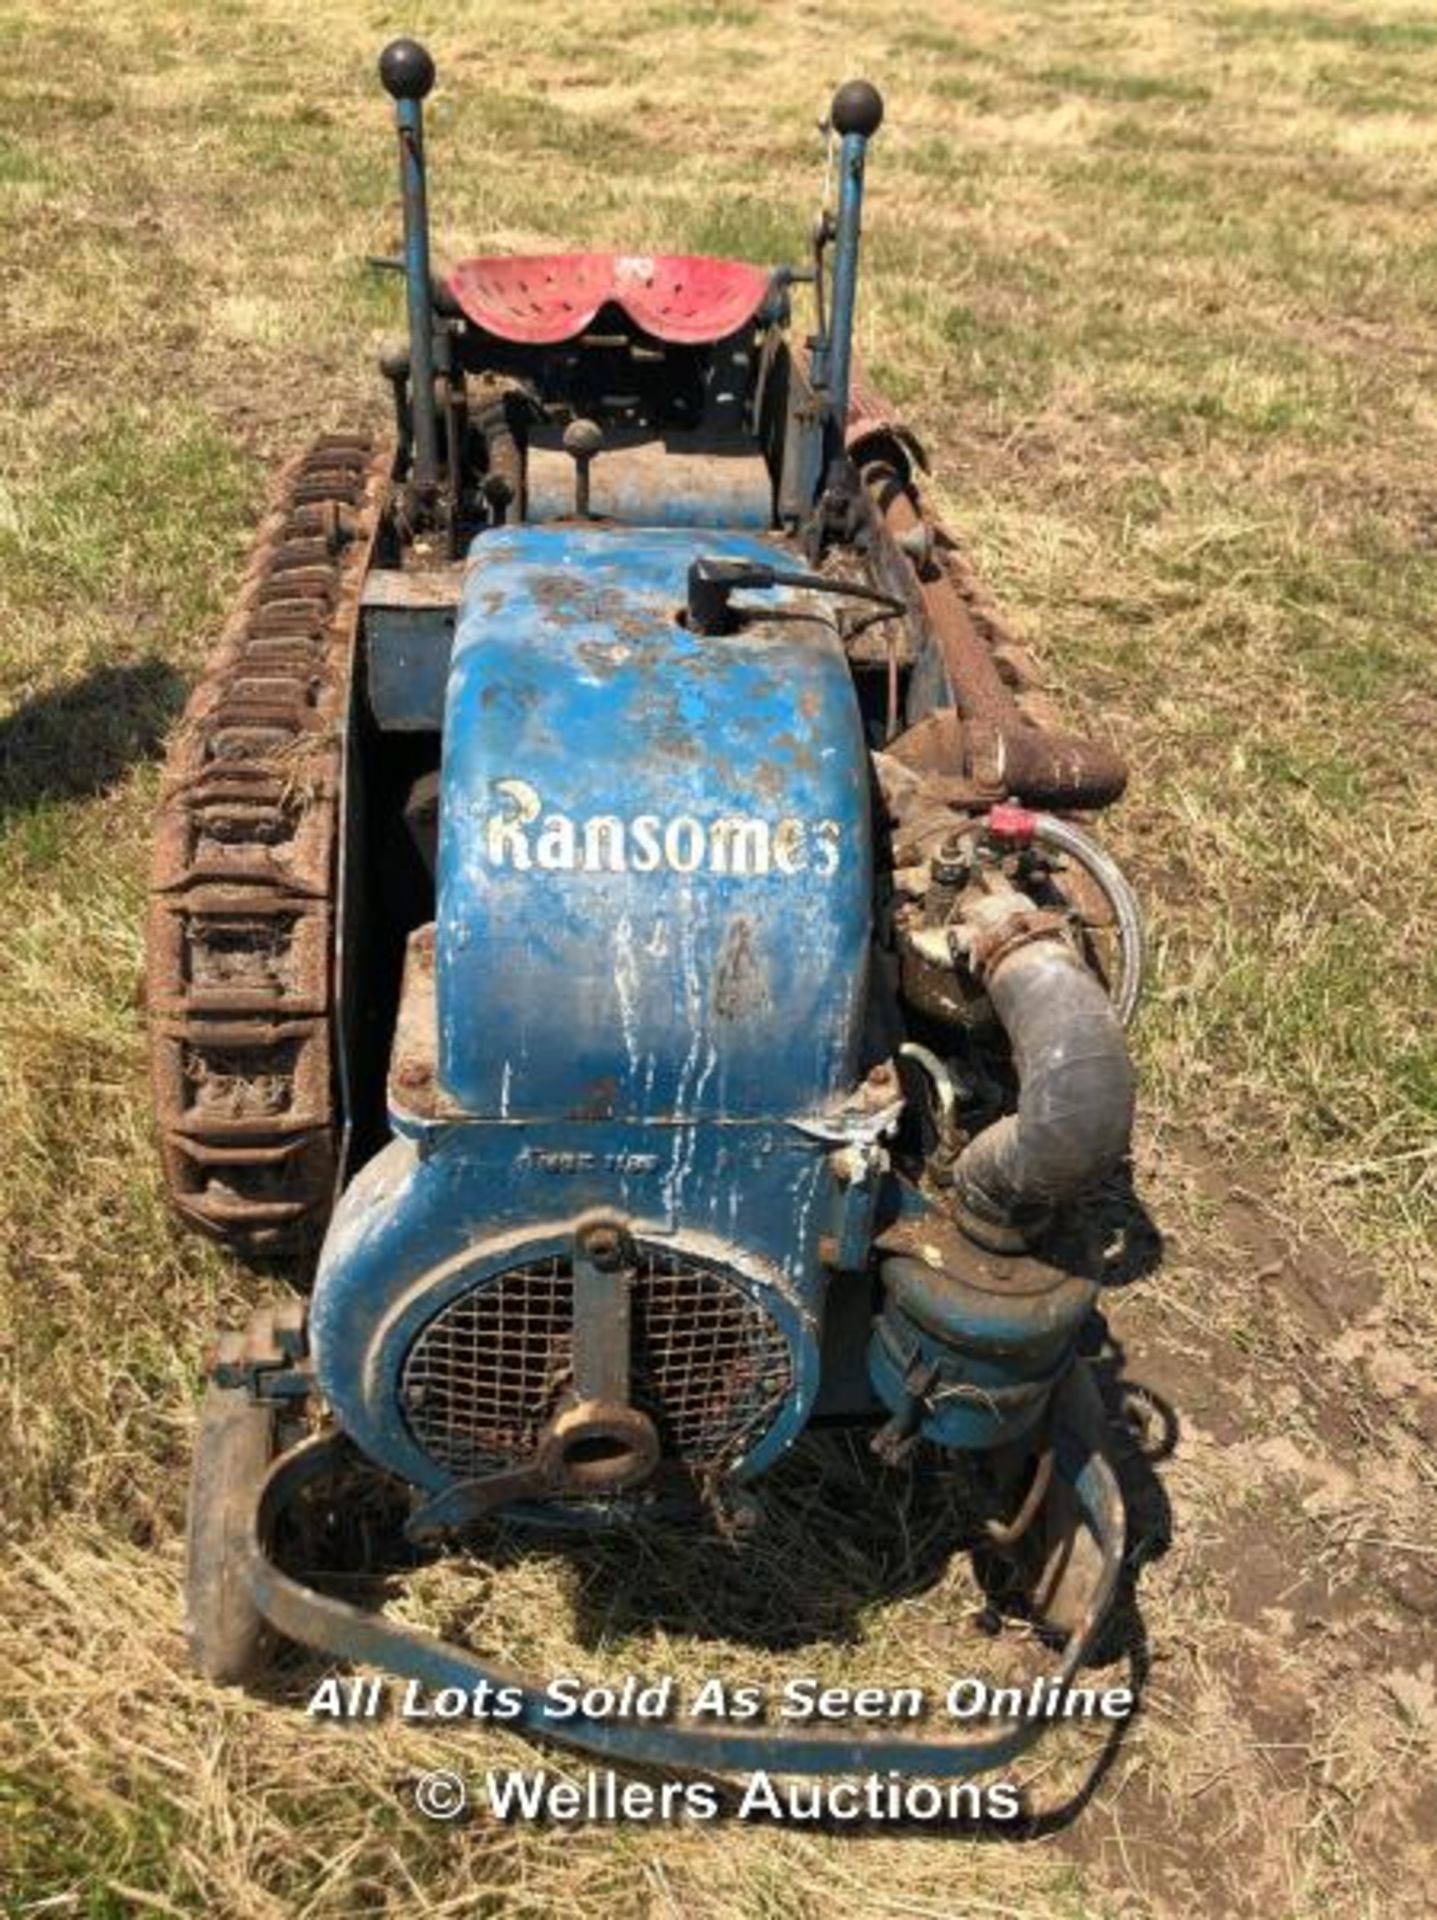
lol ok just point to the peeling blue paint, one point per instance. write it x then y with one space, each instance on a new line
655 862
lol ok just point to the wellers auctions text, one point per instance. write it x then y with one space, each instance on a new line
799 1701
602 1797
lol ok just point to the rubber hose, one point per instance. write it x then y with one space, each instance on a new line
1075 1090
1111 881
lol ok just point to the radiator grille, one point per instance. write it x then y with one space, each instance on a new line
709 1366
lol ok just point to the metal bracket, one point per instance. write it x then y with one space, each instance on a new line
270 1358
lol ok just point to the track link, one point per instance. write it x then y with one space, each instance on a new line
239 950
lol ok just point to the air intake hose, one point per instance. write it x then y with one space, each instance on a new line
1075 1094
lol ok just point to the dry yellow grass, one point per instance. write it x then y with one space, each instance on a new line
1155 285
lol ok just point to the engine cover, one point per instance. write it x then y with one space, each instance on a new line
654 855
647 997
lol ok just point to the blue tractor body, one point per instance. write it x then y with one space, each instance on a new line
645 990
620 931
655 858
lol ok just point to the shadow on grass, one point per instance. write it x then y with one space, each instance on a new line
77 740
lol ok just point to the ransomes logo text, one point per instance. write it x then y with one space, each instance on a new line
521 834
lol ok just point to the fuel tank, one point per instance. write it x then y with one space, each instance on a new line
654 857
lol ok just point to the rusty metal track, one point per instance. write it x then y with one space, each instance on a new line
239 967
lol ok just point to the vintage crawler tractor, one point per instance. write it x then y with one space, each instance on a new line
621 934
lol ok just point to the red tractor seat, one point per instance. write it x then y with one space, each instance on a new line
685 299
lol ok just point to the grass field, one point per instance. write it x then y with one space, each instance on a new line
1156 285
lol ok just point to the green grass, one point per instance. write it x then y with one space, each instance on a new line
113 516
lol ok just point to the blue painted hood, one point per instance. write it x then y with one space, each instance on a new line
655 862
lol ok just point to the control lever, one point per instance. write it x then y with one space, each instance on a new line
582 440
713 580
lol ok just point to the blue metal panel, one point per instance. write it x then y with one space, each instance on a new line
655 879
655 866
426 1220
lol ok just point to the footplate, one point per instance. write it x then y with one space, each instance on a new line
333 1626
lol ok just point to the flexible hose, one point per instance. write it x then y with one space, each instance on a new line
1112 883
1075 1091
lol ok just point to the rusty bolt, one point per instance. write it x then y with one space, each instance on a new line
605 1247
953 861
411 1073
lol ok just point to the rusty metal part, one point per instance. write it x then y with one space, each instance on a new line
992 761
942 990
600 1446
234 1448
988 741
503 482
239 975
1081 1591
583 441
269 1358
639 477
991 939
873 430
591 1449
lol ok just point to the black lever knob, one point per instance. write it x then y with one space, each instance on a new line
857 108
407 70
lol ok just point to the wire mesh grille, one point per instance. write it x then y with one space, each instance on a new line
484 1377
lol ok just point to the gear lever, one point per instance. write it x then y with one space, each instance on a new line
582 440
